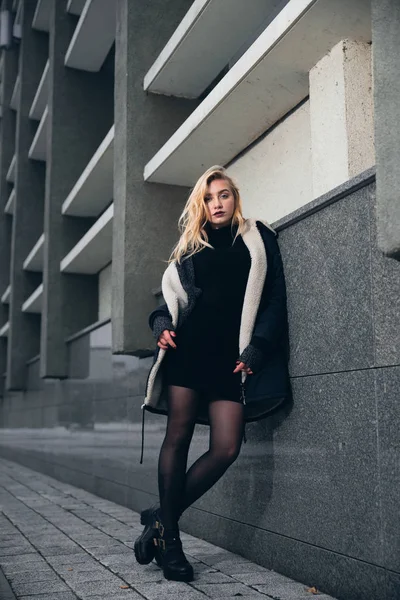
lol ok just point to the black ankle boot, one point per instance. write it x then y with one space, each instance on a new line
174 562
144 548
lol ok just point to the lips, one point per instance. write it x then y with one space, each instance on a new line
219 214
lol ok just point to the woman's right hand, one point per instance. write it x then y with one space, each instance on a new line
166 339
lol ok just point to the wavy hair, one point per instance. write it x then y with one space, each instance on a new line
194 217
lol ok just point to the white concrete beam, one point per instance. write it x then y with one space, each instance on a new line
41 97
15 94
10 177
203 43
9 208
5 329
94 251
266 82
38 149
41 18
75 7
5 299
34 303
94 189
93 37
34 260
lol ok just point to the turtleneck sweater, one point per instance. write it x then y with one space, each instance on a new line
208 341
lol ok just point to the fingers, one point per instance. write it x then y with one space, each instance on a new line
241 366
165 340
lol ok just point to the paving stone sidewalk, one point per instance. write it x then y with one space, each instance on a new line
59 542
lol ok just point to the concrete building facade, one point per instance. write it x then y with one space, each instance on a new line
110 110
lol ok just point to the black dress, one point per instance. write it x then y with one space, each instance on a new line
208 341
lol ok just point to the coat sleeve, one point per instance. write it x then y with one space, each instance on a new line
160 319
271 321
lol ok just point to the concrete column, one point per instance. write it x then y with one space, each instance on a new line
7 147
341 114
24 336
80 114
386 61
145 215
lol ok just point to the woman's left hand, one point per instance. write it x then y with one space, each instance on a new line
241 366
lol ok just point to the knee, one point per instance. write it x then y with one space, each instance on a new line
228 454
177 440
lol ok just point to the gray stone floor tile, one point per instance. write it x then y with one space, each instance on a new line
90 588
60 596
126 594
21 559
77 577
33 577
15 550
286 591
40 587
18 570
221 590
261 577
141 576
170 590
214 577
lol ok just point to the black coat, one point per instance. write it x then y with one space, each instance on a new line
264 328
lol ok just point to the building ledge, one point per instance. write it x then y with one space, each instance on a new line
93 36
15 94
41 18
75 7
194 55
94 189
5 329
5 299
270 79
34 303
94 251
10 177
87 330
38 149
33 360
41 97
9 208
34 260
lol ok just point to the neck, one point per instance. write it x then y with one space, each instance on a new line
216 226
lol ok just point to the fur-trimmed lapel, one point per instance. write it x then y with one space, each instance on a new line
255 283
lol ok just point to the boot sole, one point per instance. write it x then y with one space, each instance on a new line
144 549
173 576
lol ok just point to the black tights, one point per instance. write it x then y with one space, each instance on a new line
178 489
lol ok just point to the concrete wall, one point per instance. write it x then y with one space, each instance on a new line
314 493
105 293
386 59
262 171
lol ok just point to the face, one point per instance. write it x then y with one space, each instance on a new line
220 203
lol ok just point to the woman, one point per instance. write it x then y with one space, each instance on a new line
222 353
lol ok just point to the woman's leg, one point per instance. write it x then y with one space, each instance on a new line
226 433
182 411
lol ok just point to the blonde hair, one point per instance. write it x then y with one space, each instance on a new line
194 217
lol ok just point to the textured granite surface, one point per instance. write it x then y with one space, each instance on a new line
61 542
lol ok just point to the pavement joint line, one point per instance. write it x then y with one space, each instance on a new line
6 591
84 549
39 552
22 476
